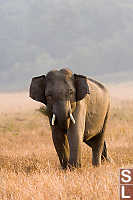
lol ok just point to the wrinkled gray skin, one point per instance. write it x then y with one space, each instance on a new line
88 101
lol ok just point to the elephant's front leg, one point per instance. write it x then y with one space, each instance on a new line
75 148
61 145
75 135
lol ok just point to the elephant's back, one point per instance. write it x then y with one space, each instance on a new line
95 83
98 90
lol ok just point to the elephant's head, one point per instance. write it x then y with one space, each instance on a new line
59 91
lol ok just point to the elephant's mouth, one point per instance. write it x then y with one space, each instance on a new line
65 123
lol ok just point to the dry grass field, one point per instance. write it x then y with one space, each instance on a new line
29 167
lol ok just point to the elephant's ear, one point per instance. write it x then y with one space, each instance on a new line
81 85
37 89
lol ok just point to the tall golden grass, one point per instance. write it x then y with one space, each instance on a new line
29 167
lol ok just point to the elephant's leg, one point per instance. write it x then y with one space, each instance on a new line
105 155
97 148
75 134
62 147
97 144
75 149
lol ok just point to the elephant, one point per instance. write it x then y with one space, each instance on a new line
78 109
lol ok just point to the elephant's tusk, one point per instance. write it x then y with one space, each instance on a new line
72 118
53 119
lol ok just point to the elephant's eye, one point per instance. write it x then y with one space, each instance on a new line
70 92
49 98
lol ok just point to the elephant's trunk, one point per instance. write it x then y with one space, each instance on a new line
62 114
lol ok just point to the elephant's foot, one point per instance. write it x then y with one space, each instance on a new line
96 163
107 159
74 165
64 164
96 158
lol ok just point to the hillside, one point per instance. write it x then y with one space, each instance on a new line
91 37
